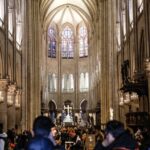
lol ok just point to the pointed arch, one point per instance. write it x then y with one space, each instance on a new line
52 105
52 110
83 105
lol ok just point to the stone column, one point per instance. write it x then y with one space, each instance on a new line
31 60
59 102
147 69
146 18
14 43
3 103
5 72
76 77
11 93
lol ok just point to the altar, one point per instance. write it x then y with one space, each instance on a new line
68 116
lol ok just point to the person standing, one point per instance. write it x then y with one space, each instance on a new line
117 138
3 138
41 129
52 135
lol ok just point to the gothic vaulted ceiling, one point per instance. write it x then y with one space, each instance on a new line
72 11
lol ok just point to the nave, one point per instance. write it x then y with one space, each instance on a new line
80 63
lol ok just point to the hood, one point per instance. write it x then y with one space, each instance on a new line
3 135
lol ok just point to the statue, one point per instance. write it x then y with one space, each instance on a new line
125 72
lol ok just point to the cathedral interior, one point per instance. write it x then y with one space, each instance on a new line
81 62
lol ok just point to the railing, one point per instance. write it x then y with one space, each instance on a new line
67 54
52 90
84 89
83 54
67 90
138 119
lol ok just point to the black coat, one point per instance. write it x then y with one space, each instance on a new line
124 140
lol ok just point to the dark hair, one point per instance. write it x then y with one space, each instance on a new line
42 126
1 128
114 127
40 143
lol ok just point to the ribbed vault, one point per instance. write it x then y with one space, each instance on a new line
71 11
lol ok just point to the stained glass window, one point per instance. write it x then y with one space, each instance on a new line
52 42
83 42
67 43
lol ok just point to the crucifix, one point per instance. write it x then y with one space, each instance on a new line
68 109
68 118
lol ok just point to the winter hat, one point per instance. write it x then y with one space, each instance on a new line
115 128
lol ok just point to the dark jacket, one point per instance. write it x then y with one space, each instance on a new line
124 140
40 143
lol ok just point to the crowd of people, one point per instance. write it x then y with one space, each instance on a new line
47 136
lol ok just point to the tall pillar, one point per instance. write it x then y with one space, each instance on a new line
3 102
146 18
14 43
108 55
31 60
5 72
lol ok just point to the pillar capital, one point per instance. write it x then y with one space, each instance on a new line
11 89
18 98
147 66
18 91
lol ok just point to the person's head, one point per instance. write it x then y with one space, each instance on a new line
114 127
84 135
42 126
40 143
53 131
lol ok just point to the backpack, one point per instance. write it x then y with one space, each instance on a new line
6 143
